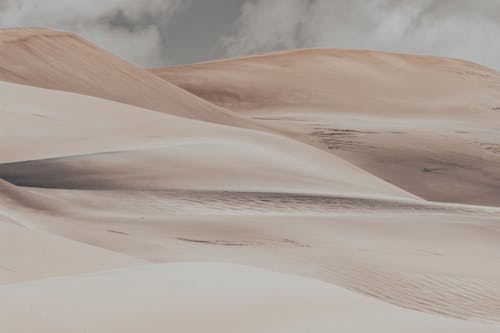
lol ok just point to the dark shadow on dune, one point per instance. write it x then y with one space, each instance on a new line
449 175
213 242
61 173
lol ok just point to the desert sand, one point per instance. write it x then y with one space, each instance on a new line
428 125
129 204
63 61
181 297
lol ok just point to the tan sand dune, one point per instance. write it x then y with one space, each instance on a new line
428 125
435 258
63 61
30 254
14 197
208 297
160 225
140 149
326 79
27 255
27 252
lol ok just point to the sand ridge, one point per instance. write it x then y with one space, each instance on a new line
141 149
64 61
425 124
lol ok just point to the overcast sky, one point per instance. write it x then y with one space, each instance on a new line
167 32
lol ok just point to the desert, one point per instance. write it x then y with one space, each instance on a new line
313 190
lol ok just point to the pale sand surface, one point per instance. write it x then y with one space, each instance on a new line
205 297
436 258
27 254
116 218
428 125
140 149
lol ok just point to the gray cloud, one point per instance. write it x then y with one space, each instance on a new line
145 32
129 28
453 28
165 32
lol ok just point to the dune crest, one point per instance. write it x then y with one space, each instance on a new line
425 124
135 148
64 61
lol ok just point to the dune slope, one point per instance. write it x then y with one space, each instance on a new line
63 61
133 148
428 125
435 258
222 298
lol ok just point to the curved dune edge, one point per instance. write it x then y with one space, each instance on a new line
342 81
27 254
14 198
63 61
408 253
139 149
425 124
212 297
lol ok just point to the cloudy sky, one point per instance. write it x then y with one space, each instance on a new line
167 32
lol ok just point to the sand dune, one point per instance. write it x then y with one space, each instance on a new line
428 125
248 300
115 217
326 79
63 61
29 254
13 198
435 258
140 149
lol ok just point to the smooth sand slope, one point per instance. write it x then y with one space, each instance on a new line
132 148
159 188
205 297
428 125
63 61
435 258
27 253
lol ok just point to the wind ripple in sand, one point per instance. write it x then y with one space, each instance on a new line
230 202
458 297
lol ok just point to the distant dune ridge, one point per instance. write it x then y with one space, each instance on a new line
425 124
326 79
289 192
